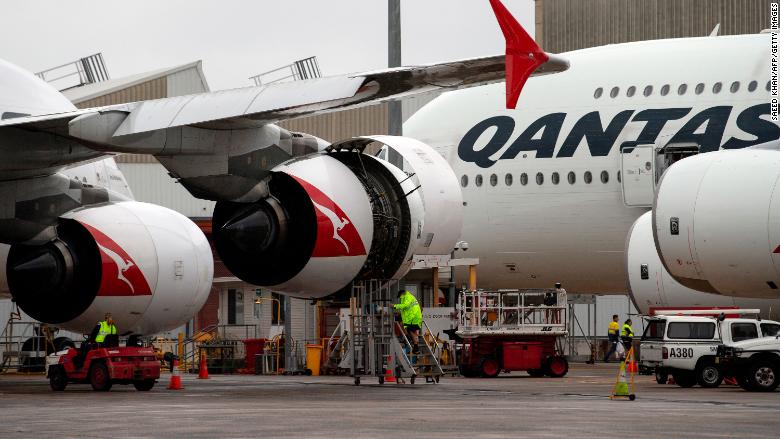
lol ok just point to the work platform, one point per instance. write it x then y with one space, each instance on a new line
508 330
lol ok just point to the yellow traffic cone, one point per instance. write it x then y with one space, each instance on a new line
622 388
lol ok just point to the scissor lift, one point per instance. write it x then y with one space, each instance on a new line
508 330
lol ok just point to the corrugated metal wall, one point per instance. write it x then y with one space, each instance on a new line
185 82
342 125
151 183
154 89
564 25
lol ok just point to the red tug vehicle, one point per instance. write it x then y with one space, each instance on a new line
510 330
104 366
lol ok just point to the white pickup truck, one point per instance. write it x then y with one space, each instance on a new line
685 346
755 363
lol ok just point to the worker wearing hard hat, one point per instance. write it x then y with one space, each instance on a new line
627 334
411 317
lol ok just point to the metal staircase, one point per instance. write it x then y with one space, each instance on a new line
372 347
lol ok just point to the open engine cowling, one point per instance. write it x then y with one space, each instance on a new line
717 222
337 216
651 286
149 266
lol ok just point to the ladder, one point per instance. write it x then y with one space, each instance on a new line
373 348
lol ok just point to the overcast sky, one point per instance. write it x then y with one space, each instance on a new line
237 39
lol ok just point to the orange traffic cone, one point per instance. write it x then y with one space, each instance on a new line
389 376
203 370
175 383
632 367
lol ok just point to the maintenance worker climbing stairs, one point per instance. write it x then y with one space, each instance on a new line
411 317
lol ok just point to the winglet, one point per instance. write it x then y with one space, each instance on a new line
523 55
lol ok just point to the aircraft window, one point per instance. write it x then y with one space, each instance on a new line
665 90
464 180
539 178
752 86
478 180
618 174
572 177
588 177
682 89
631 91
768 87
735 86
524 179
604 177
716 87
597 94
508 179
648 90
493 179
556 178
699 88
614 92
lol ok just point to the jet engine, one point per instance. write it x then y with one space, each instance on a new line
651 286
149 266
341 215
716 222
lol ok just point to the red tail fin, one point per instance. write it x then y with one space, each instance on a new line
523 55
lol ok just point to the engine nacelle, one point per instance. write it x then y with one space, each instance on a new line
650 285
149 266
717 222
338 216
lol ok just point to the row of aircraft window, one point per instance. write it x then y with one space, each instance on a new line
555 177
681 89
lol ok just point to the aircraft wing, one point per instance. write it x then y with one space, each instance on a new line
252 107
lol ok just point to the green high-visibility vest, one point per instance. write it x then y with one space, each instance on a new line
105 329
627 331
410 310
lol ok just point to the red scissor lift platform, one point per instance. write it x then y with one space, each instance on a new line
512 330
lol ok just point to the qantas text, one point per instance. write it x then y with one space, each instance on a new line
705 129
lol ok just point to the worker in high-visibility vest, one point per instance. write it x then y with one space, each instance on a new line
627 334
411 317
104 328
613 336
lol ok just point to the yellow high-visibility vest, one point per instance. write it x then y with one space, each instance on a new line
105 329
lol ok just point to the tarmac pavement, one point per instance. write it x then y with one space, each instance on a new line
512 405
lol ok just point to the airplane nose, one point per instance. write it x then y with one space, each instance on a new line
252 229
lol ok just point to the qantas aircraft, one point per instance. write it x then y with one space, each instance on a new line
304 217
560 189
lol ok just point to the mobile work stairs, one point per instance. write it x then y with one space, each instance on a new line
376 345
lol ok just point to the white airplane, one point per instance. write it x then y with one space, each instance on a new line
62 199
561 188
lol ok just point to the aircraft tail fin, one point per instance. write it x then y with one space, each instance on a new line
523 55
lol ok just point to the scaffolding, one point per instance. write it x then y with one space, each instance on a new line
306 68
24 345
377 344
83 71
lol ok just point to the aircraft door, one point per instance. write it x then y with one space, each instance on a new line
638 168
